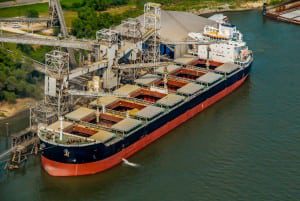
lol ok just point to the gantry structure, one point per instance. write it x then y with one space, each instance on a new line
152 24
105 54
57 18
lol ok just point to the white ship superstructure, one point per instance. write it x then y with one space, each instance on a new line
222 44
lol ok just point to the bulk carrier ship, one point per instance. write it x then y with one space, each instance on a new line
113 127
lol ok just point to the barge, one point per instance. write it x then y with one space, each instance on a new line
286 12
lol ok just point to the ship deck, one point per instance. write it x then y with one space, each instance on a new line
109 119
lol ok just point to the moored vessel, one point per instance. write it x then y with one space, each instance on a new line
114 126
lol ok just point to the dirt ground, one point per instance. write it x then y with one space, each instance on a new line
9 110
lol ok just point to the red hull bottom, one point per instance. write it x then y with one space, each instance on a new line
62 169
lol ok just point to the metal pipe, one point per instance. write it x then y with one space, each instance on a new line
97 115
103 108
61 128
30 117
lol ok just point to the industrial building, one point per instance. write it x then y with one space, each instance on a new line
174 29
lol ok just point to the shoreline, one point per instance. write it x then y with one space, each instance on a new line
10 110
226 8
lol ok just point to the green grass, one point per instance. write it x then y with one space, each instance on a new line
22 10
2 115
69 17
42 8
69 3
120 9
193 4
11 46
274 2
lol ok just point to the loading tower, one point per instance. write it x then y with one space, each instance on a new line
152 24
56 98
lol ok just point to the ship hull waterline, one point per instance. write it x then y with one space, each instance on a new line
55 168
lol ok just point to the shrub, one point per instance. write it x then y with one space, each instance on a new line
10 96
32 13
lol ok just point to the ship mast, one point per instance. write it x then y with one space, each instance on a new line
207 58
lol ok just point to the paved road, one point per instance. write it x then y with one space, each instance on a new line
7 4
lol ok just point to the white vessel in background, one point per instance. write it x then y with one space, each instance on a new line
219 17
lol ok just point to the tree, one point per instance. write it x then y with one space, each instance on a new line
27 49
10 96
11 83
101 5
89 22
16 79
32 13
86 25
